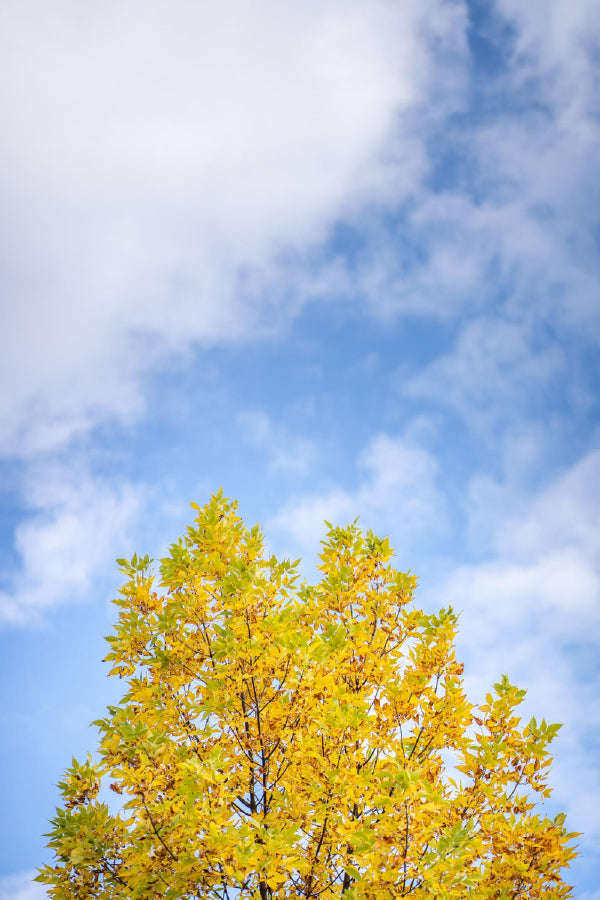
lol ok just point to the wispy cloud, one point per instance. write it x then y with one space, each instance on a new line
396 492
21 887
77 525
497 372
530 600
506 210
287 453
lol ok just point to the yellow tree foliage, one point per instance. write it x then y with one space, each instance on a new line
279 739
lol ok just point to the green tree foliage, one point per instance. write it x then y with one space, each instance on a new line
280 739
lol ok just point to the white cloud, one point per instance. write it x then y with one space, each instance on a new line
79 524
156 162
397 494
21 887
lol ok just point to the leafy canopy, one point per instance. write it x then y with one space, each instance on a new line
280 739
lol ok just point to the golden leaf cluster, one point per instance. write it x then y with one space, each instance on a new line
280 739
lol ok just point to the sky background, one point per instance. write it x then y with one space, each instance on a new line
339 257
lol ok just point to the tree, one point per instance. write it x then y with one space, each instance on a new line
281 739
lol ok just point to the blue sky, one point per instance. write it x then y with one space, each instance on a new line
340 258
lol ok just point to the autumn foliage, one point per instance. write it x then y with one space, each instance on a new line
280 739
